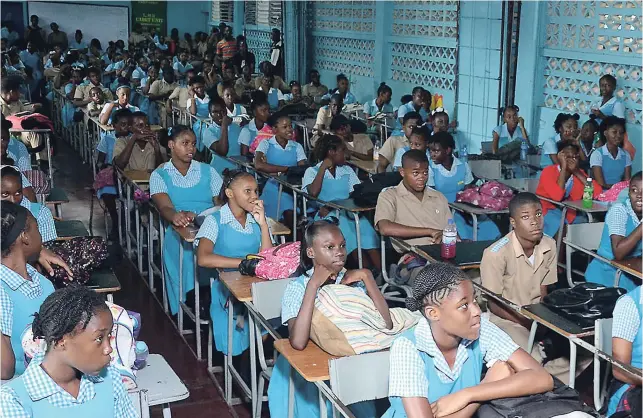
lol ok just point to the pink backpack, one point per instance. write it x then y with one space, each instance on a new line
491 195
612 194
279 262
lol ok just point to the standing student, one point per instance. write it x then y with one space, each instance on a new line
382 103
275 156
609 104
331 179
358 146
627 347
22 289
436 367
621 238
221 137
141 150
181 189
513 129
610 164
323 256
73 377
393 143
566 127
415 105
563 181
68 110
325 116
343 89
418 140
224 240
261 110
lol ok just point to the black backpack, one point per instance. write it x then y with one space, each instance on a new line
366 193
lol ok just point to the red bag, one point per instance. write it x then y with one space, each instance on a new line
496 189
611 194
491 195
31 121
275 263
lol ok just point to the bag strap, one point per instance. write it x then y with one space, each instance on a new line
279 247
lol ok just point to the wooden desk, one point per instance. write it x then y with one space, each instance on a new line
70 229
311 363
137 176
630 265
468 255
552 320
369 167
240 286
277 228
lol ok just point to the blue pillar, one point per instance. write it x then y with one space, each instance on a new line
293 28
383 21
237 24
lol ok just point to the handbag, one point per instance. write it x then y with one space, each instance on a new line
276 263
83 255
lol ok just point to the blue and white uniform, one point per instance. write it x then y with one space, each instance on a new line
403 110
551 221
289 156
182 69
397 159
193 193
613 168
68 109
116 108
78 45
622 221
613 107
44 218
17 151
371 108
237 110
212 134
248 133
274 96
348 99
202 113
548 148
340 187
505 136
106 146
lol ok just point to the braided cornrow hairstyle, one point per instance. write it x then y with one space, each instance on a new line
67 310
433 284
306 263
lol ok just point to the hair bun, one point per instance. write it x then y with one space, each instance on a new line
412 304
383 83
576 116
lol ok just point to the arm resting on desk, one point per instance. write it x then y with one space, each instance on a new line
205 257
622 351
623 246
508 314
261 164
382 164
396 230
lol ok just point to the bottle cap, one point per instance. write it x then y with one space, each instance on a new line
589 179
450 222
141 346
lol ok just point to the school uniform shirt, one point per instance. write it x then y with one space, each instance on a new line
181 68
162 87
409 107
78 45
105 393
408 375
433 168
106 146
299 150
612 107
277 83
19 299
324 117
548 148
115 66
391 145
613 168
241 86
192 178
31 60
84 89
340 171
93 107
140 159
139 73
348 99
248 133
506 270
397 160
312 90
202 105
397 204
370 108
17 151
116 107
11 108
237 110
505 137
361 144
44 218
180 94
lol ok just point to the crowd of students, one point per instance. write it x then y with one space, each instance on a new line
437 367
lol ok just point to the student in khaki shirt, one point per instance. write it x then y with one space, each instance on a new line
160 91
325 115
268 70
411 211
10 98
393 143
315 87
519 267
82 95
245 83
141 150
358 146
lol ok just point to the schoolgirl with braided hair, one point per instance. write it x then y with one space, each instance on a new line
436 367
332 179
323 261
72 377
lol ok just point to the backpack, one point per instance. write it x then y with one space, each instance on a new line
123 343
366 193
491 195
83 255
276 263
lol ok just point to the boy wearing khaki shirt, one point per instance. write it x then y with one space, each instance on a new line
140 151
393 143
358 146
411 211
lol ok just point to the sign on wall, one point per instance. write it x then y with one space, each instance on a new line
152 15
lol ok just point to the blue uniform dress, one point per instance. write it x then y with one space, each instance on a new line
17 151
237 110
274 95
340 187
68 110
192 192
397 159
349 99
44 218
235 241
289 157
202 112
403 110
35 394
622 221
549 147
370 108
306 394
19 300
613 107
419 369
248 134
212 134
553 215
628 317
106 146
613 168
449 183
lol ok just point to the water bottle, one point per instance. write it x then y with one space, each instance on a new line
597 138
449 239
142 352
464 154
588 194
524 148
376 153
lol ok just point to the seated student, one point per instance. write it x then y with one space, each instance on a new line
159 93
182 66
181 189
12 192
275 156
97 102
343 86
380 104
621 238
519 267
448 175
358 146
268 70
415 105
229 97
209 74
112 70
387 153
228 78
10 102
315 88
143 65
78 42
439 121
627 347
73 377
123 92
436 367
295 95
325 116
323 256
275 96
82 94
331 179
411 211
245 83
198 104
418 140
68 110
566 127
23 289
141 150
513 129
221 136
223 241
610 164
586 142
563 181
261 111
182 92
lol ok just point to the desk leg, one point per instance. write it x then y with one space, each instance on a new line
532 337
227 363
119 210
561 227
254 396
359 239
572 364
590 217
110 298
128 239
291 393
281 189
475 226
180 295
139 244
166 411
294 216
197 305
323 412
150 252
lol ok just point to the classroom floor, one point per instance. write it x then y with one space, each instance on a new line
156 327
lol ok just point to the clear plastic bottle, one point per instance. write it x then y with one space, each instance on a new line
524 149
588 193
449 240
376 153
464 154
142 352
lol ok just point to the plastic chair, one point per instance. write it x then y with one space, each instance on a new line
603 342
585 238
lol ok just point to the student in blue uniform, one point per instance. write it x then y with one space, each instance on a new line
73 377
419 140
448 175
323 256
275 156
12 192
67 114
226 237
221 137
610 163
382 103
415 105
181 189
621 237
609 105
22 289
436 367
627 347
343 89
332 179
261 111
566 127
198 104
123 92
14 148
513 129
229 97
439 121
